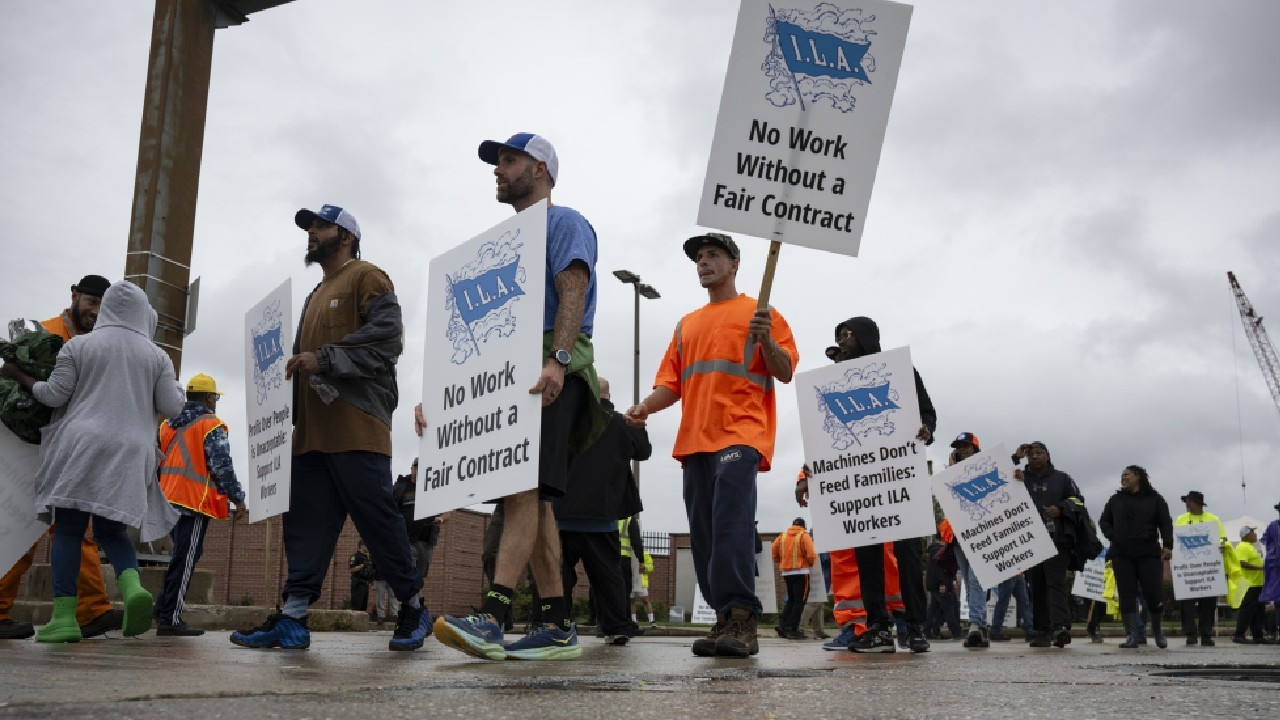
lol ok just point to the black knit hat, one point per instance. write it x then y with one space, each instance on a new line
94 285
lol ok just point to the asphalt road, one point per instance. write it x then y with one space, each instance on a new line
351 676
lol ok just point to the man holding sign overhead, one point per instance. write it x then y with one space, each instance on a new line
722 361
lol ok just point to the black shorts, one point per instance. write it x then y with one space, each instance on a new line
557 424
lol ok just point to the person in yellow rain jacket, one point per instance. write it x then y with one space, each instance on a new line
1204 610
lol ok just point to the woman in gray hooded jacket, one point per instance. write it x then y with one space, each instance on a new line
98 455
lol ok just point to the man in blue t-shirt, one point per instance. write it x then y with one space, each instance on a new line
526 169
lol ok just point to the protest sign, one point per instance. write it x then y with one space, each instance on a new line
802 119
702 614
483 353
19 529
1091 582
268 399
998 528
859 420
1197 565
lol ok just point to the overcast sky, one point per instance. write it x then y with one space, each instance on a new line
1063 187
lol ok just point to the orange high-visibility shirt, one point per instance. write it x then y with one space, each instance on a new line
60 326
720 375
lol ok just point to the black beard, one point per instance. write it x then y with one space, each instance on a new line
77 319
325 249
518 189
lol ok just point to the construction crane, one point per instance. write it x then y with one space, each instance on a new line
1257 334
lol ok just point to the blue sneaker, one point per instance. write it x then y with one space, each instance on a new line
547 642
841 641
412 628
477 635
279 630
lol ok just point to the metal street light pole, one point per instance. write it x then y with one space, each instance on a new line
648 291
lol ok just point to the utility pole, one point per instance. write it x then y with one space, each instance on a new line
170 144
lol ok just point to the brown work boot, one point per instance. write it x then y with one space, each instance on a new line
706 646
739 636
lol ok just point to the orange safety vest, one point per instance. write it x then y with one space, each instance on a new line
847 589
61 326
184 474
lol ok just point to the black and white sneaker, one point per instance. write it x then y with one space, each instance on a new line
875 640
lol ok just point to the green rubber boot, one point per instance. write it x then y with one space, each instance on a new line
62 627
137 604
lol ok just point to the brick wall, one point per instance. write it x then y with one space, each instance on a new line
248 565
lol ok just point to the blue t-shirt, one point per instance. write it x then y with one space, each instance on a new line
569 237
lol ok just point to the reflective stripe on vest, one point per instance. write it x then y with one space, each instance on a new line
181 483
728 367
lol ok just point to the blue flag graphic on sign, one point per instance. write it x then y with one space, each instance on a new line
819 56
1193 543
977 488
816 53
478 296
850 406
267 348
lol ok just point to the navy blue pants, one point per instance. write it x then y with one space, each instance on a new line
69 527
188 545
325 488
720 501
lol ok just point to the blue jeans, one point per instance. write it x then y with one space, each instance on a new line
69 527
1017 586
720 502
975 596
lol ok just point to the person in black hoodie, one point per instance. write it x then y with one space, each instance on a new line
1131 521
601 491
855 338
1060 501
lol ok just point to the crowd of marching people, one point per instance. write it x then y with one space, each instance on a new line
174 476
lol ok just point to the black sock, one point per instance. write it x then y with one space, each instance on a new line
497 602
556 612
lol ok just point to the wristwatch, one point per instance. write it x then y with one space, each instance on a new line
562 356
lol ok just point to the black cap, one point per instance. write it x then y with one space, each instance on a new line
966 438
1195 496
798 521
94 285
720 240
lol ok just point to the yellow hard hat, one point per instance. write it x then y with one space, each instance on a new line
202 384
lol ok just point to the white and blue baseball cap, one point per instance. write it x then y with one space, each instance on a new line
328 213
535 146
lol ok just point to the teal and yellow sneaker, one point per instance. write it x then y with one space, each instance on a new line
477 635
412 627
279 630
547 642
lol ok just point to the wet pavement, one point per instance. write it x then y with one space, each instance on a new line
353 675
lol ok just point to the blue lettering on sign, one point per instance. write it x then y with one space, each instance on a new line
979 487
815 53
478 296
267 348
853 405
1195 542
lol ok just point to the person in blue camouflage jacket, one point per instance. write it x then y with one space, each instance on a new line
198 479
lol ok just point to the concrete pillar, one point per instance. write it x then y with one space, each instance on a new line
169 152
